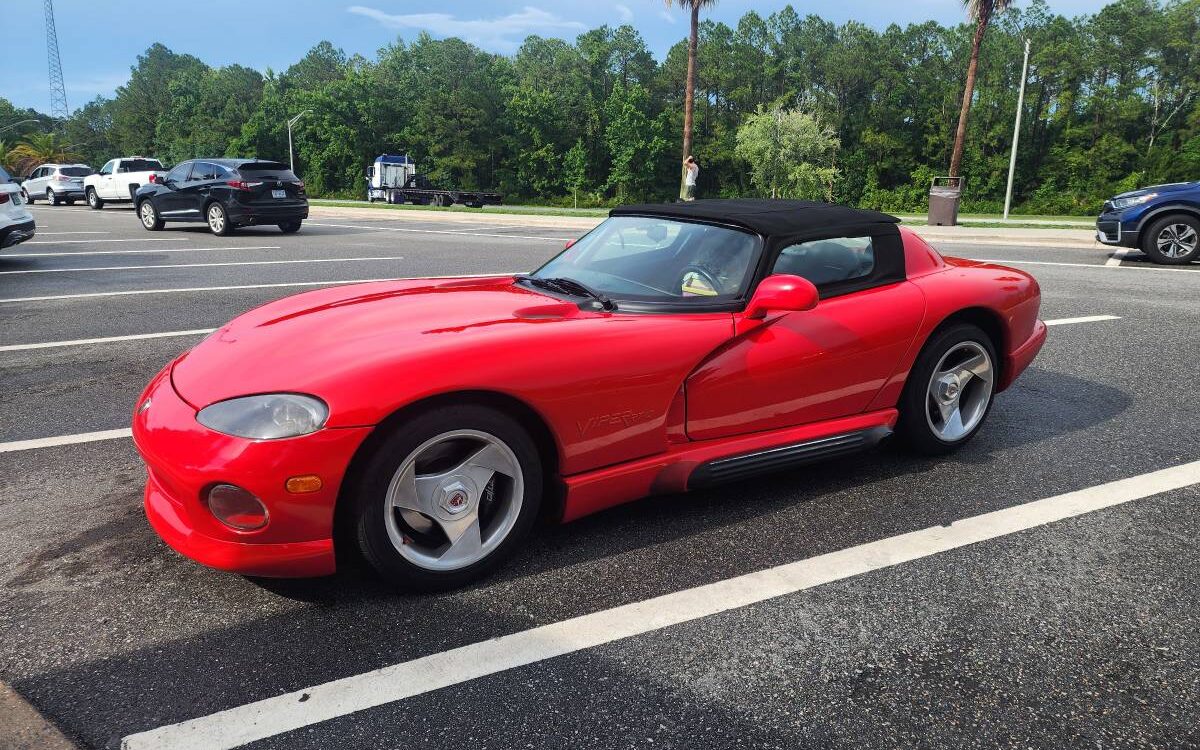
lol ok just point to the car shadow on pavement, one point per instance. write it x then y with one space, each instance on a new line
268 637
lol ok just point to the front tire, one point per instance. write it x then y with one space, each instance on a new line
290 227
218 220
949 391
447 497
149 217
28 198
1173 240
51 197
94 200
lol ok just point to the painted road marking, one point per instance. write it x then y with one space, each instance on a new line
83 437
104 340
1115 258
1084 319
88 242
312 705
1011 262
140 252
133 292
459 232
46 234
201 265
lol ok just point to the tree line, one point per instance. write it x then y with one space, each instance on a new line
1112 102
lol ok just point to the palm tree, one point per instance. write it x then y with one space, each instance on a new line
694 6
40 148
982 11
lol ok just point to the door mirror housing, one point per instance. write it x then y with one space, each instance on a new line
782 293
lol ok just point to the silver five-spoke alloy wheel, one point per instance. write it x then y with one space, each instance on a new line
216 219
147 215
454 500
1177 240
959 391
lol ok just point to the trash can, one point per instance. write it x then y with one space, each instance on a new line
944 195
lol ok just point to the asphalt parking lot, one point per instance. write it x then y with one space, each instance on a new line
1078 631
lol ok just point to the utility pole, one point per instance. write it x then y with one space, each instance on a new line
58 90
290 123
1012 159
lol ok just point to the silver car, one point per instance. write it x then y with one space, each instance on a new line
56 183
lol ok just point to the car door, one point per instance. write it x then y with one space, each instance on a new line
36 184
104 180
820 364
174 202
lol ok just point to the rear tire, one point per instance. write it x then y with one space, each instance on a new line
149 217
1173 240
290 227
442 450
94 200
218 221
949 391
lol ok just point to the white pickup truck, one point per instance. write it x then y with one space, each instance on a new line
119 179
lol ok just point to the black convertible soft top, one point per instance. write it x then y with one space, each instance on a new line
765 216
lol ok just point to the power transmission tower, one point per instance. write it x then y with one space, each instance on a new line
58 89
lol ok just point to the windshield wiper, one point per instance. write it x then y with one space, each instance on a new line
564 285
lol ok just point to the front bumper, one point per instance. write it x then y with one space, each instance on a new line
183 459
1111 230
17 233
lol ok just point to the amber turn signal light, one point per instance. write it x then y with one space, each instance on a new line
304 484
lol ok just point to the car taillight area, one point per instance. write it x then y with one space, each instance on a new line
244 185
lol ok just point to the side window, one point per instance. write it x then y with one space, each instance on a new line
205 171
180 172
828 261
107 168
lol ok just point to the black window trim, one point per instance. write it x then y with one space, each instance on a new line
886 244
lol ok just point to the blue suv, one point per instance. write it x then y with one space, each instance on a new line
1162 220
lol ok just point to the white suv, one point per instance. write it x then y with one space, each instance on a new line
16 223
56 183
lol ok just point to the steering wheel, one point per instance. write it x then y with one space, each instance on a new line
697 281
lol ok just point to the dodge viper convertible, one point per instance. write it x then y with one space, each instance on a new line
428 423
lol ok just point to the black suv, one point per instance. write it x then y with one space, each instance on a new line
225 193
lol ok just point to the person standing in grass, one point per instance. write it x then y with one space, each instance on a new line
689 181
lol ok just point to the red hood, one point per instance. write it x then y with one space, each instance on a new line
310 342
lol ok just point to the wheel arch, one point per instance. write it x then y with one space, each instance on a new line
984 318
1161 212
525 415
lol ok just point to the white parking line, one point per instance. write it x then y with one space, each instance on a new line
140 252
46 234
1115 258
88 242
1011 262
1084 319
104 340
85 437
442 231
133 292
312 705
202 265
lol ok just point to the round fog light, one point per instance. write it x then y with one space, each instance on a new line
236 507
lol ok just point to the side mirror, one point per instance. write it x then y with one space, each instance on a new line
782 293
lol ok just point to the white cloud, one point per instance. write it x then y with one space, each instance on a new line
624 12
666 15
504 33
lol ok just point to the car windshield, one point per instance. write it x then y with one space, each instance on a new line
75 171
266 170
5 176
653 259
140 165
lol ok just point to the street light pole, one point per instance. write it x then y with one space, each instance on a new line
290 123
1012 159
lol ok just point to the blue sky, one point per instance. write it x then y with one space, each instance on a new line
100 39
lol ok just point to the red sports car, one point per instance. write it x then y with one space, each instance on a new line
430 422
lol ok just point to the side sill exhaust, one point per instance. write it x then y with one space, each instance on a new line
731 469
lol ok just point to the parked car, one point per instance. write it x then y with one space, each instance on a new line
225 193
428 422
56 183
16 223
1163 221
120 179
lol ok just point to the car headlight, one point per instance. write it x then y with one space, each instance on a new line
1135 200
266 417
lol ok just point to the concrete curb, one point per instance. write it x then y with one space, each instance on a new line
1024 237
23 728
